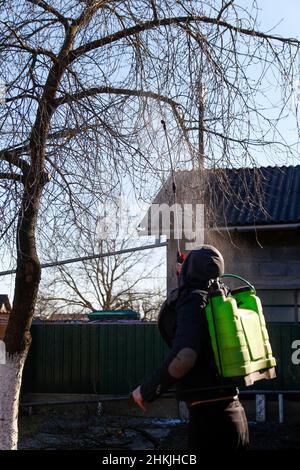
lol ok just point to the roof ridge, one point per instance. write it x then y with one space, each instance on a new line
273 167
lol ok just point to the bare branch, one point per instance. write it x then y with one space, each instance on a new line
21 96
153 6
115 91
50 9
12 156
89 11
11 176
23 46
224 7
179 20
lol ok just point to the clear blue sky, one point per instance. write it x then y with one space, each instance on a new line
287 12
280 18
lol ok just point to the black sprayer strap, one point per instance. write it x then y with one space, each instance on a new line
216 336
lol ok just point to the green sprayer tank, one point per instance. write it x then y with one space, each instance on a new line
238 332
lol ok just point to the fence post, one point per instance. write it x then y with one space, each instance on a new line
260 402
280 408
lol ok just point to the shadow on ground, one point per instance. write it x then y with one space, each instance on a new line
60 431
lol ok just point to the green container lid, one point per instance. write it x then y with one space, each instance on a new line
114 315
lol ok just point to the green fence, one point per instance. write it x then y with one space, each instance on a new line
91 358
285 341
114 358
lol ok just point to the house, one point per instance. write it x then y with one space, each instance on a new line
5 307
252 215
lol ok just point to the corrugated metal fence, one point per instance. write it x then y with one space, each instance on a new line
114 358
91 358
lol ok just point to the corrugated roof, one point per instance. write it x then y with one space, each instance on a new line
266 195
239 197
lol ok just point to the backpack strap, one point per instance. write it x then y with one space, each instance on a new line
198 291
203 293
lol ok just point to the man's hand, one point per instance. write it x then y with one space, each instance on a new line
137 396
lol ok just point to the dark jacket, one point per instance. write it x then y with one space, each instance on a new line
190 364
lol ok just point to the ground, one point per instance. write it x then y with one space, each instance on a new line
60 430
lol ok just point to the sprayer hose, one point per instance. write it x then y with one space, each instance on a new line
235 276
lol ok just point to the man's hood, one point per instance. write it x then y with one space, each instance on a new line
200 266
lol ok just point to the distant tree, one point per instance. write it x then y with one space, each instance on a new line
150 306
113 282
44 306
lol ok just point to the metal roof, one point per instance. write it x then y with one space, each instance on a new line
256 196
236 197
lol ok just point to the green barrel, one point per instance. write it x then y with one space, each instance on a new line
238 332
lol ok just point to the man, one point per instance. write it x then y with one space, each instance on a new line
217 419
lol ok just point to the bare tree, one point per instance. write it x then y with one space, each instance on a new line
150 306
45 307
86 86
121 280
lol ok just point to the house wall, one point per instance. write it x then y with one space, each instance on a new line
268 259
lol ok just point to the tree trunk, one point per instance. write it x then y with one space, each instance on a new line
10 385
17 337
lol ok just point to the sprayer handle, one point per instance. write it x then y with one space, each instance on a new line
235 276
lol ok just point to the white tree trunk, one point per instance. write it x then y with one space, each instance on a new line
10 385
